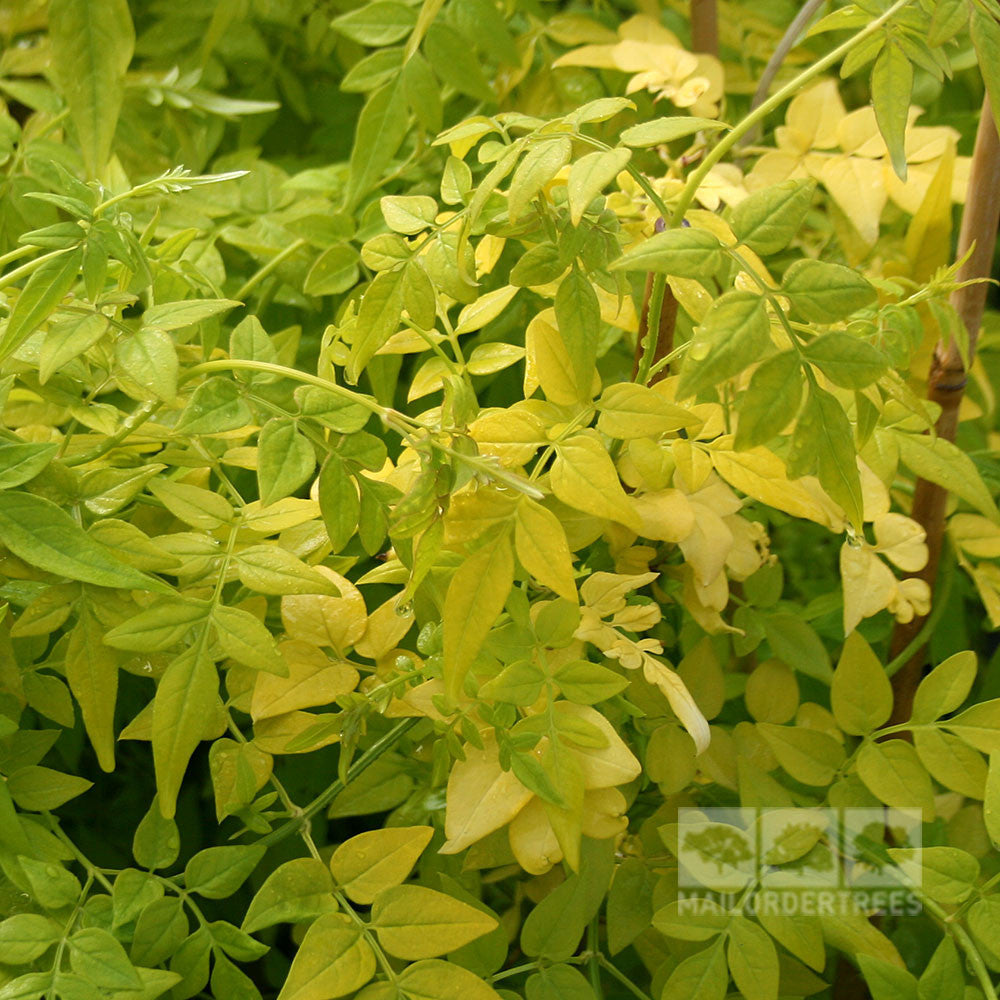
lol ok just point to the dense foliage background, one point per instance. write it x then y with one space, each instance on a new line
441 441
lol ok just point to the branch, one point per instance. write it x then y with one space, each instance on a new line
704 27
948 377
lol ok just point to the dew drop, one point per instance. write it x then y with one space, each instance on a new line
404 608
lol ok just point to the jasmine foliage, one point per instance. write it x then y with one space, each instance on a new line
434 454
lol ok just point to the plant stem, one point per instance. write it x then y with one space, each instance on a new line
258 276
612 971
759 114
787 43
594 947
948 376
325 797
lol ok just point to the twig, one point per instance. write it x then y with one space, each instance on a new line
705 27
788 42
948 377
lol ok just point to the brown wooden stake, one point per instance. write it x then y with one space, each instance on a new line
704 27
664 334
948 377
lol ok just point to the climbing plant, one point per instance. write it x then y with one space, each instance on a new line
498 501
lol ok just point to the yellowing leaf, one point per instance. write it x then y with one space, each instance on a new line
513 436
583 476
434 979
326 621
386 626
482 797
313 679
550 365
542 548
630 411
603 766
187 692
333 960
476 596
378 859
868 584
666 515
413 922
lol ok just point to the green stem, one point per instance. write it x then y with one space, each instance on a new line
652 328
132 422
594 947
258 276
612 971
11 277
294 825
776 100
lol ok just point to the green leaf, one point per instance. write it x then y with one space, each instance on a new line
270 569
475 597
188 312
630 904
892 84
247 640
860 695
946 874
587 683
48 539
943 971
894 775
823 292
823 439
590 175
92 45
940 461
846 361
156 842
380 132
159 931
133 891
42 292
686 253
584 477
217 872
228 981
333 272
979 725
558 982
285 459
453 59
768 220
98 957
148 360
808 755
702 975
379 23
378 320
753 960
991 803
945 688
578 315
20 463
554 927
771 400
27 936
158 628
67 339
413 922
186 694
733 335
333 960
887 981
542 162
92 674
339 503
216 406
293 892
662 130
35 788
433 979
378 859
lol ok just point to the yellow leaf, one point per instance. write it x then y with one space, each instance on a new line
313 679
760 474
475 598
485 309
666 515
583 476
326 621
602 767
333 960
471 512
482 797
976 535
386 626
868 584
928 237
378 859
548 364
274 734
858 187
533 840
542 548
902 541
512 435
680 699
